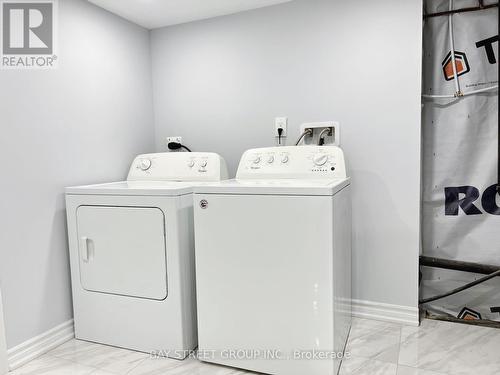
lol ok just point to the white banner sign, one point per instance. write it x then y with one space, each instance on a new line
461 207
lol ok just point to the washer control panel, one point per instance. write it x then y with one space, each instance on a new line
293 162
178 166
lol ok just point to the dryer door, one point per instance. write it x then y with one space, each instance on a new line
122 251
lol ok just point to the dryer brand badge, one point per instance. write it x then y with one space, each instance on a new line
28 34
203 204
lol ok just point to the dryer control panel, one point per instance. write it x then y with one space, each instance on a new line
293 162
178 166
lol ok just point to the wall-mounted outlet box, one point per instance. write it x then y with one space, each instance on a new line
174 139
330 138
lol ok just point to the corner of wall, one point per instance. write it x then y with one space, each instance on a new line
3 344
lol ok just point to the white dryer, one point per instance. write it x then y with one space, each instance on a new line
273 262
132 254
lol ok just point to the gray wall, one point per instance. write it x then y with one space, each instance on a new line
81 123
3 345
219 83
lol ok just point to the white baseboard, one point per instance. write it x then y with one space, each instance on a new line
41 344
386 312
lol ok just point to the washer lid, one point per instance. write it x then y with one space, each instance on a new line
166 188
274 187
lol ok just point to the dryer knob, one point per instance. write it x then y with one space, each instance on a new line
284 159
270 160
256 160
191 164
145 164
203 163
320 159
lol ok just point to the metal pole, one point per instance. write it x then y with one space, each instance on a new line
484 269
461 10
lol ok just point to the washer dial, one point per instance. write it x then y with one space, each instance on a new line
320 159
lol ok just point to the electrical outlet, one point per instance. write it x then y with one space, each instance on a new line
280 122
174 139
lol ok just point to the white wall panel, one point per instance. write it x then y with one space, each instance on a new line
219 83
81 123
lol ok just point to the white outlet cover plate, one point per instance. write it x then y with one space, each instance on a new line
281 122
174 139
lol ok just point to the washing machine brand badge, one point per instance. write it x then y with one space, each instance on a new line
203 204
28 34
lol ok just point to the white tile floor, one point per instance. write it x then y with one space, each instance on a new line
376 348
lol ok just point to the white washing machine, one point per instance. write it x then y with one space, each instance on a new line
273 262
132 254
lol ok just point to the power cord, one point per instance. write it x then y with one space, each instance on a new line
308 132
462 288
177 146
321 139
280 133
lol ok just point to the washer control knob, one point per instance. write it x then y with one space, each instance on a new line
145 164
284 159
320 159
256 160
270 160
191 163
203 163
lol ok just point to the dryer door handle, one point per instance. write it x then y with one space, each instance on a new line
84 246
